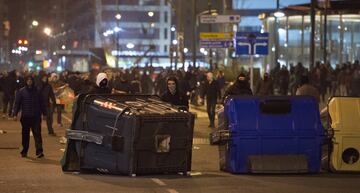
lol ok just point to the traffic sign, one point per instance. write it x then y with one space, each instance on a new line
216 43
252 43
216 35
220 19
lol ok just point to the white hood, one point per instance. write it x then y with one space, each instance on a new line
100 77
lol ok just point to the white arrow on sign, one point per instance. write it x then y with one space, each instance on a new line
246 44
259 44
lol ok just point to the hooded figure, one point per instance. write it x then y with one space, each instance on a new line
101 85
173 94
29 101
240 87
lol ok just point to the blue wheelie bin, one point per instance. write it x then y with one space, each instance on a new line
271 135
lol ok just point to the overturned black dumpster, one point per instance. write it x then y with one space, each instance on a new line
130 135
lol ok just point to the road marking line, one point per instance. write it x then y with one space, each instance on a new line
158 182
172 191
66 118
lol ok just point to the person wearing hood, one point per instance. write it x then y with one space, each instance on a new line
213 93
29 101
101 86
173 95
48 97
240 87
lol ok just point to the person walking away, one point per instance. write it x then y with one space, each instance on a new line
29 101
307 89
342 81
212 93
174 95
48 97
265 86
9 88
58 87
284 81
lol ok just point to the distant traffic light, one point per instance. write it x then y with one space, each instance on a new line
23 42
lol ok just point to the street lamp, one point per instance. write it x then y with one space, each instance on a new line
118 16
279 14
47 31
35 23
151 14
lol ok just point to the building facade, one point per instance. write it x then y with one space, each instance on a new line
4 33
126 29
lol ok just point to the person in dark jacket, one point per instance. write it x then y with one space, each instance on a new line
265 86
213 93
174 95
48 97
121 85
29 101
101 86
9 88
240 87
307 89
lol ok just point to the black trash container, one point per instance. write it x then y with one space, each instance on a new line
129 134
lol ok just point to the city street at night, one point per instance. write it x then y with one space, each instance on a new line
32 175
180 96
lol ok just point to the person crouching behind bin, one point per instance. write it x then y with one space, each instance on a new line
101 86
240 88
29 101
173 95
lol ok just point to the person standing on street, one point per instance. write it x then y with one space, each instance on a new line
48 97
29 101
173 95
212 93
307 89
265 86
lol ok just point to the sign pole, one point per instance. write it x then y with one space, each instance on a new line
252 72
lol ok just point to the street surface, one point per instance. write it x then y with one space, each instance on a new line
31 175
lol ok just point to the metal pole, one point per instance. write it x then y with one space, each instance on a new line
210 30
194 34
312 36
117 36
325 35
276 34
252 72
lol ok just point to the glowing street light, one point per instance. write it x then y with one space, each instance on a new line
63 47
151 14
35 23
118 16
279 14
47 31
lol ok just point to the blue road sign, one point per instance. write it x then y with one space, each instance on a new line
216 43
252 43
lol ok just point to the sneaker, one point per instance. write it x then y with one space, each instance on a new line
41 155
